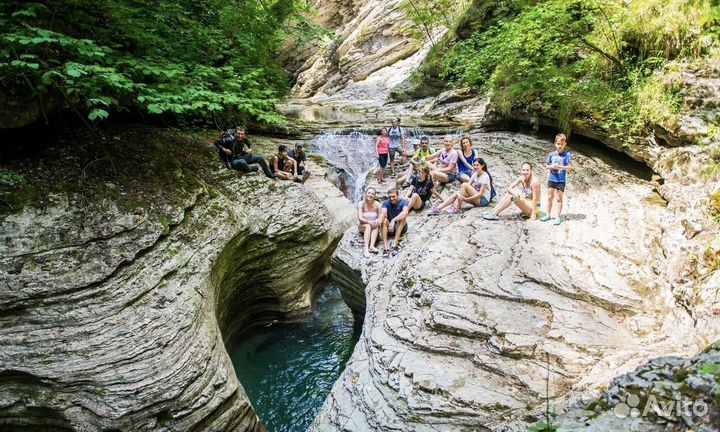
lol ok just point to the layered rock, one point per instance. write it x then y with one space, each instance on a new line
462 327
666 394
114 313
373 49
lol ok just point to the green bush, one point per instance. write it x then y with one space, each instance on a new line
179 57
599 60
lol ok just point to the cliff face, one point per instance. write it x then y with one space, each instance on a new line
373 48
461 327
114 311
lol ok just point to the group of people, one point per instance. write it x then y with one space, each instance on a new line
236 151
429 170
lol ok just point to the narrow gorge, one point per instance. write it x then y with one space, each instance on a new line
139 278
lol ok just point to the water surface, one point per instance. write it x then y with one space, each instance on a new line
288 370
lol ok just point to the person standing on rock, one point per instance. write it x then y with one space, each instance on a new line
559 163
397 145
524 192
445 171
466 156
393 219
239 150
381 149
369 221
299 156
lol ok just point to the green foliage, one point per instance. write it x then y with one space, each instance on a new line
577 60
430 14
10 178
542 427
207 58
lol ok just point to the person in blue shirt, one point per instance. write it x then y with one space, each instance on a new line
393 219
559 163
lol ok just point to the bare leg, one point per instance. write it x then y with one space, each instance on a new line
524 205
559 198
465 191
551 198
282 175
398 232
385 234
365 229
415 202
504 203
448 201
439 176
373 239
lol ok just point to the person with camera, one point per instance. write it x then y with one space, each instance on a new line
237 151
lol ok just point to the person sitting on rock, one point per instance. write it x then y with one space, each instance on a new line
422 154
478 191
466 156
283 165
524 192
422 189
445 171
393 219
369 221
239 151
381 150
299 156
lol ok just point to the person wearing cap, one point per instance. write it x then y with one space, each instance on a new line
299 156
422 154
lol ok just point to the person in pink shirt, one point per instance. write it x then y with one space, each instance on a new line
382 149
445 169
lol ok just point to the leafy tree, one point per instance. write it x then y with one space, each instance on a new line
587 59
201 58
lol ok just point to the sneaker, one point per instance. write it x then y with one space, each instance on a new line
394 251
558 221
305 176
392 175
545 218
374 250
405 185
491 216
454 210
434 211
386 253
254 168
366 254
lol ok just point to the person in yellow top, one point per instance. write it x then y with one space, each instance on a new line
421 155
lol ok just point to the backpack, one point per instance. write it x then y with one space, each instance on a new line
225 138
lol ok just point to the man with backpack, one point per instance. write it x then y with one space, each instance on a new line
238 152
397 144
